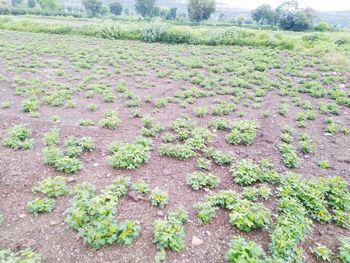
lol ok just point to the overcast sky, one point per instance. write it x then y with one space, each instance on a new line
323 5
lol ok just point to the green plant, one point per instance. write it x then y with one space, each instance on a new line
322 252
201 111
30 105
324 164
94 215
289 155
23 256
246 172
178 151
344 250
86 122
198 180
92 107
52 187
159 198
40 205
244 251
19 138
247 216
168 137
169 233
130 155
203 163
110 120
219 157
51 137
306 144
242 132
141 187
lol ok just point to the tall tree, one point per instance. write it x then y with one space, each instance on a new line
199 10
50 5
31 3
16 2
144 7
116 8
93 7
264 14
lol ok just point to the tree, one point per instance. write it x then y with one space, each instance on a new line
290 17
199 10
31 3
264 15
93 7
50 5
116 8
16 2
172 13
144 7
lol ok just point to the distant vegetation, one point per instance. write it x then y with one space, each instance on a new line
287 16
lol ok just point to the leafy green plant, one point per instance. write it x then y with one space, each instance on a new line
198 180
219 157
203 163
201 111
306 144
41 205
52 187
86 122
23 256
244 251
159 198
322 252
324 164
247 216
130 155
289 155
344 250
110 120
242 132
169 233
51 137
19 138
178 151
141 187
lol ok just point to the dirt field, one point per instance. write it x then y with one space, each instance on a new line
75 72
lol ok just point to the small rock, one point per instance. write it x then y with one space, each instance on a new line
100 254
196 241
22 215
327 134
342 86
71 179
95 164
160 213
167 172
53 223
207 233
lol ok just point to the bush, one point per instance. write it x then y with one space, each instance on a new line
322 27
243 251
130 155
19 138
154 32
322 252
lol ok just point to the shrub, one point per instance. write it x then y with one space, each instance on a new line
52 187
130 155
198 180
154 32
40 205
159 198
248 216
322 252
243 132
19 138
244 251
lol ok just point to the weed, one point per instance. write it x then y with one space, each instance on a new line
110 120
322 252
141 187
52 187
23 256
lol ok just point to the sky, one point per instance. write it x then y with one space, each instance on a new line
321 5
